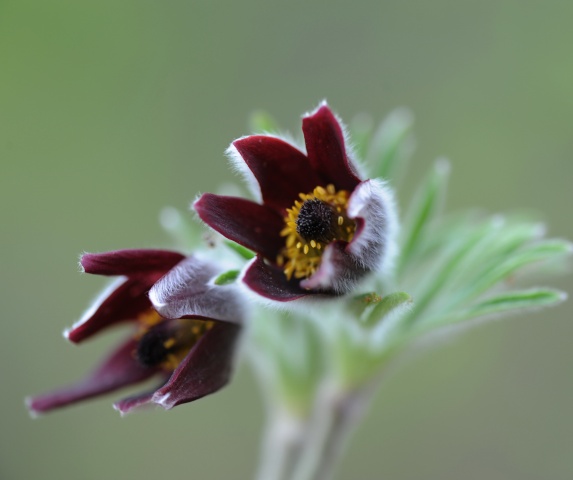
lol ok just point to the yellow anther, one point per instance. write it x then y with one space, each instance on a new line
300 259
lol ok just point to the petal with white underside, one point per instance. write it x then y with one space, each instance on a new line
126 299
119 370
338 272
206 368
187 291
373 208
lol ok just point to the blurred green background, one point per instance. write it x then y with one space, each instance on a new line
111 110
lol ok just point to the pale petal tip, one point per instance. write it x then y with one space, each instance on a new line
34 414
122 413
162 400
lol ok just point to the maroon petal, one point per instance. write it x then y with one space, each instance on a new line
254 226
130 262
126 299
119 370
271 282
121 302
326 150
186 292
126 405
206 369
281 170
338 271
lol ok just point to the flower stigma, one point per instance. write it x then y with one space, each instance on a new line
165 343
313 222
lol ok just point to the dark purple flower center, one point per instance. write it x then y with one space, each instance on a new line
167 343
317 221
152 348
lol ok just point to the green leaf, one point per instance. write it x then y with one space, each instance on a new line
541 251
504 303
261 122
392 145
517 300
423 210
227 277
242 251
389 304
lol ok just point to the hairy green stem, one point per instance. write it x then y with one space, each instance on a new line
281 445
335 416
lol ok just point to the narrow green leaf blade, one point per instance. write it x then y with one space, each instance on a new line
517 300
423 210
392 145
542 251
503 304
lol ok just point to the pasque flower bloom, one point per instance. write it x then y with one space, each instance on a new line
319 228
186 330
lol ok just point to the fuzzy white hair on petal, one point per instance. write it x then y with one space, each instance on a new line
96 303
375 247
239 166
187 290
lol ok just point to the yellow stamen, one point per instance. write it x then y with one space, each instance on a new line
301 257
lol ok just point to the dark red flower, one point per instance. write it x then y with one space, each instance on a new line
185 330
319 228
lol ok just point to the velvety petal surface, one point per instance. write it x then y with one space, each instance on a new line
187 291
119 370
326 150
130 262
127 298
281 170
251 225
205 369
127 405
270 282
